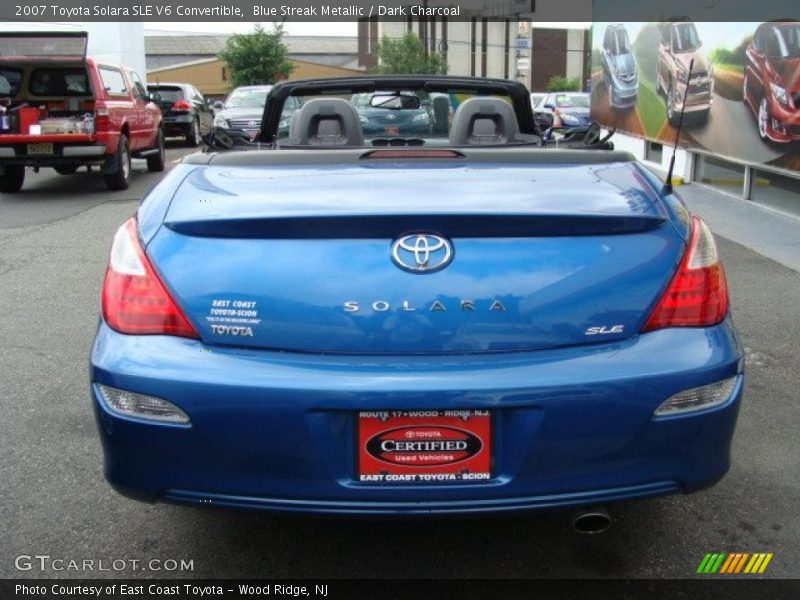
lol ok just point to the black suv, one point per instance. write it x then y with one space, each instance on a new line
187 113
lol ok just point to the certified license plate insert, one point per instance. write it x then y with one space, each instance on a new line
423 447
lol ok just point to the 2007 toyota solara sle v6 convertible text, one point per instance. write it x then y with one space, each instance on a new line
452 318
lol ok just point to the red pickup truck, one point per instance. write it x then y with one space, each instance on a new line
62 110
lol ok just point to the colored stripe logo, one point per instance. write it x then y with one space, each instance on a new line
734 562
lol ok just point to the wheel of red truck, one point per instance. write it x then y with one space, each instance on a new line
12 179
66 169
193 138
120 178
156 162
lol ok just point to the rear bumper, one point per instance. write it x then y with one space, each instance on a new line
178 124
66 149
276 431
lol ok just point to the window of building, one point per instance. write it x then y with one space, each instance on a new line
473 35
484 45
720 174
777 191
506 46
654 152
224 73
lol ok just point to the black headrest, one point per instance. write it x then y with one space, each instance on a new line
484 121
325 122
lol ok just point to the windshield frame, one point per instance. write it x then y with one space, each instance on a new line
582 95
516 91
249 91
677 36
783 45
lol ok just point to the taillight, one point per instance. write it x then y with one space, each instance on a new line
101 115
181 106
697 296
134 299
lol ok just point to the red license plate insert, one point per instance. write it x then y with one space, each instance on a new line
424 446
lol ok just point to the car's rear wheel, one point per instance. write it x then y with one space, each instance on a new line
120 179
66 169
12 179
156 162
193 137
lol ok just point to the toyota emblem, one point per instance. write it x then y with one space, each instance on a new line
422 253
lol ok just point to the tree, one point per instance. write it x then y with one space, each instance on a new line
562 84
257 58
406 56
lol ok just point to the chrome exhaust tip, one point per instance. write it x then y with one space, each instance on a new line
592 520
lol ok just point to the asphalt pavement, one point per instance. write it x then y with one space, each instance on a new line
54 240
731 129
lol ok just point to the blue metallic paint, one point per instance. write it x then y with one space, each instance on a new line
573 425
270 429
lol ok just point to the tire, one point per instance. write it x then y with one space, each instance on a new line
763 118
66 169
120 179
672 116
744 87
12 179
156 162
193 138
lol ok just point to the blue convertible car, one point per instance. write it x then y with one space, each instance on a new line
472 322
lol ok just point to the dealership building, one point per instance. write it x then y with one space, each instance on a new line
482 46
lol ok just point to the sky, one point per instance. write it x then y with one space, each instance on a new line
713 35
296 28
292 28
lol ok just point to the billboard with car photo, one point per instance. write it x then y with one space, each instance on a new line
743 98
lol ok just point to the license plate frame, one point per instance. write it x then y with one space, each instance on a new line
424 447
40 148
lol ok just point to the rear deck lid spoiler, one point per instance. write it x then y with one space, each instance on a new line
378 199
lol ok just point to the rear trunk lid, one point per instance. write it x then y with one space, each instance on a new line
170 94
294 257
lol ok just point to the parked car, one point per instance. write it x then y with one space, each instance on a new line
186 111
62 110
680 45
390 114
771 84
477 324
619 67
243 109
563 109
536 97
